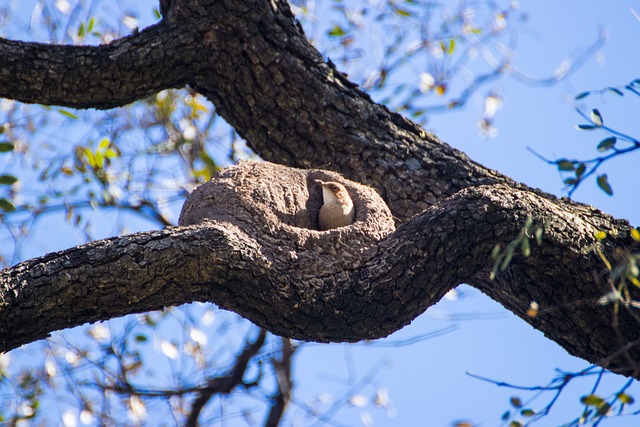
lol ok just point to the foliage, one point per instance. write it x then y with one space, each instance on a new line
595 408
502 256
614 145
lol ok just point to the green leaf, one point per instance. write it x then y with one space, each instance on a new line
527 412
603 409
149 320
104 143
596 117
495 251
67 113
452 46
5 147
582 95
507 260
204 173
402 12
88 154
91 24
607 144
525 247
99 159
570 181
516 402
580 170
528 221
635 233
538 235
625 398
157 14
6 179
565 165
337 31
81 30
206 158
633 270
592 400
600 235
141 338
604 184
6 205
587 127
515 424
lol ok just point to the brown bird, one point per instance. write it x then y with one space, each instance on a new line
337 210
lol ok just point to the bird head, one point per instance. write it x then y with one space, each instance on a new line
333 191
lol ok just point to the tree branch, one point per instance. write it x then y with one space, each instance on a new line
322 286
282 397
102 77
226 383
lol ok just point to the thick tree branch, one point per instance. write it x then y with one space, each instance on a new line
275 281
104 76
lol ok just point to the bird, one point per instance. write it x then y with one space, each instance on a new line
337 208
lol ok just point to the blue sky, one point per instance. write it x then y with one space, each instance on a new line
427 381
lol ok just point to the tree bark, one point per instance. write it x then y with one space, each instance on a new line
252 60
103 77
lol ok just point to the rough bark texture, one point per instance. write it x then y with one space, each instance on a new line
265 260
103 77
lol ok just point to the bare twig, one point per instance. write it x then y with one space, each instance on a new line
226 383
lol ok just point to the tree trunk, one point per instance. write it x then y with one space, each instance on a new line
252 60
